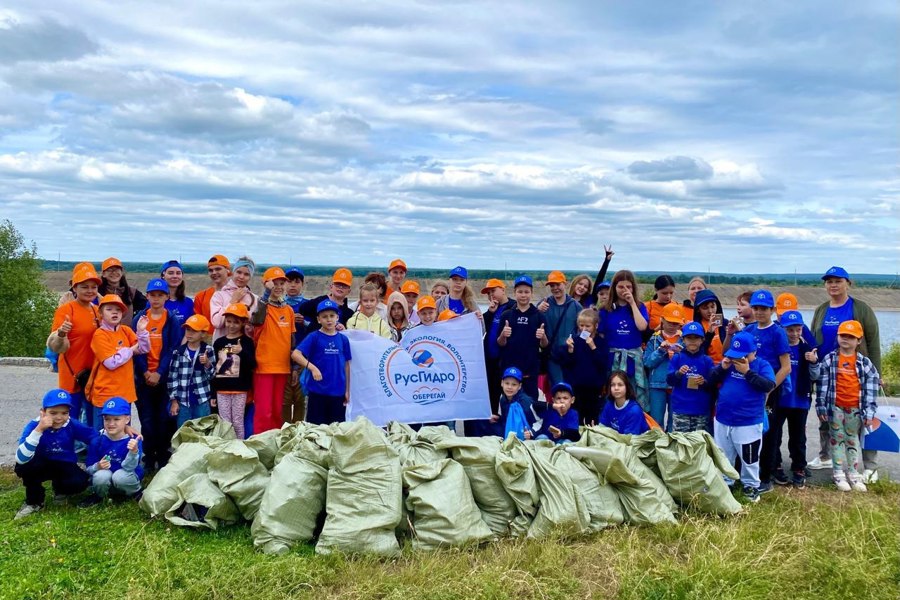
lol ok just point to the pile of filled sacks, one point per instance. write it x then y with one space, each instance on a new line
356 488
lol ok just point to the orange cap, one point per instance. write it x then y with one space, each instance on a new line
237 310
396 263
853 328
410 287
219 260
273 273
673 313
343 275
556 277
85 272
111 262
492 284
786 302
446 315
113 299
197 323
425 302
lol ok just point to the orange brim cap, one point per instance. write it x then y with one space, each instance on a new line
343 275
220 260
82 274
425 302
111 262
410 287
555 277
397 263
491 285
113 299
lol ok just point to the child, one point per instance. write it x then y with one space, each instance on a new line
294 407
181 305
602 293
561 313
580 290
114 345
152 372
498 303
512 393
410 291
326 354
366 317
427 309
115 282
846 398
275 319
661 347
786 302
236 290
114 457
522 336
46 452
584 364
688 375
738 427
708 312
293 289
219 269
236 361
623 414
461 298
662 297
622 323
560 423
190 373
341 283
398 313
744 312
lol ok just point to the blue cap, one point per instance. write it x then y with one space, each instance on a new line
328 305
693 328
459 272
742 344
562 386
791 317
762 298
57 397
704 296
157 285
523 280
168 264
605 284
296 272
514 373
836 272
116 407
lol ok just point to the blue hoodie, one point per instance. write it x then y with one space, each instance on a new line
171 339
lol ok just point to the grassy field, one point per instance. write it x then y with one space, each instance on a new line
813 543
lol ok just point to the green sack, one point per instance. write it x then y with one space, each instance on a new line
287 437
364 492
266 446
400 433
291 505
236 469
600 498
691 475
196 430
562 508
419 452
434 433
645 447
439 500
478 458
162 493
201 504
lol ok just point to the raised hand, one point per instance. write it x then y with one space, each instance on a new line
570 343
133 445
609 251
507 330
812 356
142 323
66 326
540 333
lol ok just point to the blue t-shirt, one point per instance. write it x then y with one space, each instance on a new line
181 309
771 343
59 444
456 306
116 450
569 420
739 402
628 419
618 327
687 401
798 396
330 353
833 319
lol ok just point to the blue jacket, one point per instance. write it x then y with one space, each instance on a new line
119 456
656 361
53 444
171 338
524 401
583 367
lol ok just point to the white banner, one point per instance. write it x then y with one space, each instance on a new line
436 374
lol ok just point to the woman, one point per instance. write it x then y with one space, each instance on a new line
622 322
461 298
694 285
181 305
113 282
235 291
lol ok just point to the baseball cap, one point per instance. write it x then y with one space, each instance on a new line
836 272
555 277
410 287
605 284
116 407
273 273
157 285
742 344
326 305
237 310
425 302
673 313
459 272
197 323
762 298
397 263
562 386
791 317
56 397
523 280
704 296
342 275
111 262
446 315
169 264
113 299
512 372
853 328
294 272
492 284
692 328
786 302
85 272
219 260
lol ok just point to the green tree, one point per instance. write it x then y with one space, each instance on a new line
26 304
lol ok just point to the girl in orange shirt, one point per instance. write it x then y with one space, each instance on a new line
665 291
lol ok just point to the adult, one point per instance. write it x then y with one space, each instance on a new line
461 298
219 269
498 302
181 305
439 289
841 307
235 291
397 274
694 285
113 281
561 312
338 290
74 324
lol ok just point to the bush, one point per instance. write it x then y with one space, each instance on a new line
890 365
27 305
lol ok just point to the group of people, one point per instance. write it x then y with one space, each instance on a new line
590 352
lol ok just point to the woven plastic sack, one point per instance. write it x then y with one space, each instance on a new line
364 492
601 499
287 437
443 511
196 430
162 493
237 471
435 433
562 508
266 446
691 475
201 504
513 465
400 433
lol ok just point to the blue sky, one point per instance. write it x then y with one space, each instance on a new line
736 137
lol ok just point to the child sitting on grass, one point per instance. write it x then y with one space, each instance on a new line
114 457
561 421
623 414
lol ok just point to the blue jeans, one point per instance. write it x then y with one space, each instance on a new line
124 482
187 413
659 400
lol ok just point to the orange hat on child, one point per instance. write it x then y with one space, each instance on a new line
219 260
111 262
85 272
197 323
113 299
853 328
446 315
786 302
396 264
237 310
425 302
556 277
273 273
673 313
410 287
343 275
492 284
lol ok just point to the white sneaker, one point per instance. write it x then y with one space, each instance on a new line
859 486
870 476
27 509
818 463
840 480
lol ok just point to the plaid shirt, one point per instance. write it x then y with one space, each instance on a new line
184 377
825 373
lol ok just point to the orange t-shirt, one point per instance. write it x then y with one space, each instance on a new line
112 382
201 304
847 384
672 340
79 356
275 342
155 329
716 351
655 310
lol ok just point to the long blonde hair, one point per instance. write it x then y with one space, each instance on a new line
582 277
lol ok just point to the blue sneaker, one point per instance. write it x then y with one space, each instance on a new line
765 487
751 493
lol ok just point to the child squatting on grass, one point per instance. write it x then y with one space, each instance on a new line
114 457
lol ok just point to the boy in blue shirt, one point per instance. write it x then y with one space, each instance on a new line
114 457
738 427
511 384
688 375
522 335
46 452
326 354
560 422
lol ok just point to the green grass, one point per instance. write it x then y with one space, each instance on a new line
813 543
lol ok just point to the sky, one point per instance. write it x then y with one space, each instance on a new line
745 137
